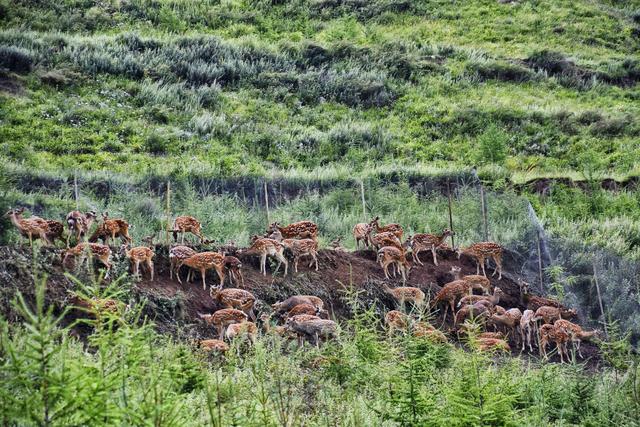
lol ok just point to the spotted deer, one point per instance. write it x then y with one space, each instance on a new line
300 229
177 254
477 281
307 308
83 251
186 224
236 298
110 229
234 266
264 247
31 228
202 262
483 251
425 330
450 293
425 241
550 314
314 329
576 333
139 255
300 248
396 320
477 311
394 228
218 346
492 345
223 318
487 300
405 294
79 224
291 302
244 330
361 233
386 238
55 231
550 333
527 328
391 255
510 320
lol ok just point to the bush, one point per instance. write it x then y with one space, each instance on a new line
502 71
157 144
492 145
16 59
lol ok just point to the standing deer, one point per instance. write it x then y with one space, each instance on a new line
424 241
558 335
177 254
31 228
300 229
386 238
481 252
83 250
361 233
264 247
186 224
138 255
405 293
234 267
110 229
394 228
79 224
300 248
391 255
202 262
236 298
223 318
477 281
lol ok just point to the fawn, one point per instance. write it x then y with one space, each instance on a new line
223 318
177 254
138 255
202 262
300 248
392 255
264 247
394 228
361 233
476 281
300 229
404 294
481 252
84 250
186 224
79 224
423 241
32 228
110 229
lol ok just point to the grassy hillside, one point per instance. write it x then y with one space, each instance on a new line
242 87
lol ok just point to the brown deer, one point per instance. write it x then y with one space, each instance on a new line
478 311
534 302
55 230
510 320
84 250
405 293
391 255
559 336
576 333
243 330
387 238
396 320
288 304
425 330
223 318
140 255
484 299
337 246
95 307
361 233
550 314
236 298
527 328
264 247
186 224
234 266
79 224
308 309
477 281
450 293
423 241
202 262
110 229
300 229
279 330
496 335
31 228
300 248
217 346
177 254
483 251
493 345
314 329
394 228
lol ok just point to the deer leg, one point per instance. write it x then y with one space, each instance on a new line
315 258
263 263
178 274
203 272
483 270
433 251
295 263
220 271
150 265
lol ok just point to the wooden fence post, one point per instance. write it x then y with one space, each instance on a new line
595 280
266 202
540 274
364 205
75 188
483 207
168 213
453 244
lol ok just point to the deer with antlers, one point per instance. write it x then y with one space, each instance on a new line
424 241
79 224
186 224
268 247
202 262
82 251
110 229
31 228
483 251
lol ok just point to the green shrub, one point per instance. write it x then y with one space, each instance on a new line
16 59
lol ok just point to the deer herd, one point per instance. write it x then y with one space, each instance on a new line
303 316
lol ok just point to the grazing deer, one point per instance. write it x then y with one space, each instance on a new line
425 330
396 320
534 302
450 293
83 250
392 255
223 318
394 228
405 293
559 336
483 251
478 311
79 224
361 233
236 298
264 247
218 346
550 314
31 228
300 229
493 344
177 255
202 262
576 333
477 281
527 328
314 329
110 229
138 255
243 329
234 266
491 301
186 224
300 248
510 320
288 304
423 241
